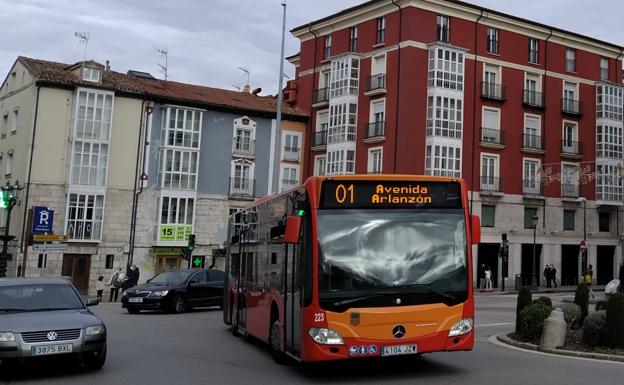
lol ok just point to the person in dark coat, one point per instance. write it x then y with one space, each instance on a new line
134 275
553 274
547 275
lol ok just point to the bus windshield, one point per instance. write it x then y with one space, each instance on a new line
363 252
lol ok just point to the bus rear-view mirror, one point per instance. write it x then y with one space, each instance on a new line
293 229
476 229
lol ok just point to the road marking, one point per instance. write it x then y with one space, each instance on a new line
494 324
494 340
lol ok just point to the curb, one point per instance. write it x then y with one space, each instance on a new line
503 338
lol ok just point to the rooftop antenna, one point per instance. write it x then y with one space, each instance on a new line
163 52
245 70
83 38
237 87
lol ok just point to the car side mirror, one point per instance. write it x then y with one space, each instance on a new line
475 224
293 229
93 302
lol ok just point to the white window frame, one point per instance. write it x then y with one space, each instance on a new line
8 166
345 76
439 106
533 51
534 143
446 73
570 145
380 31
97 214
443 158
496 138
327 46
14 120
491 44
491 182
319 122
174 173
608 181
91 74
604 70
375 160
570 60
443 28
353 38
291 153
325 81
531 185
574 182
236 188
177 195
609 102
609 138
338 162
239 128
283 185
170 134
377 69
320 165
574 87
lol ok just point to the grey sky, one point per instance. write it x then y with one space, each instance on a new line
207 40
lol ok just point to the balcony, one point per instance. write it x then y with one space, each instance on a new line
292 154
533 99
493 91
242 188
320 97
532 188
288 184
375 84
243 149
491 185
571 149
571 107
532 144
569 190
492 137
375 132
319 139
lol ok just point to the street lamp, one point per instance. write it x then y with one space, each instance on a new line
535 221
8 199
584 253
280 96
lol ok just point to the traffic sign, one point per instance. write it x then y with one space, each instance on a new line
50 238
583 246
49 246
43 218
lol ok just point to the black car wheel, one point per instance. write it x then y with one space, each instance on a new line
91 362
178 304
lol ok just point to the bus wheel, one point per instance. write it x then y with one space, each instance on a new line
275 342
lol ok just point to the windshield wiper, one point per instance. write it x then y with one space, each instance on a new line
429 289
57 308
16 310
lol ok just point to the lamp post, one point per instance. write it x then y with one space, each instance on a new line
280 96
10 196
535 273
584 253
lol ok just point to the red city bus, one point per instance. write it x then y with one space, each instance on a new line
354 266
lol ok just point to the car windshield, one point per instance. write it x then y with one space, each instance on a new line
171 276
39 298
368 251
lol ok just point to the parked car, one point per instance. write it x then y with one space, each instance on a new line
176 291
40 317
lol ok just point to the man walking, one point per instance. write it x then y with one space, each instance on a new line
589 276
553 275
547 275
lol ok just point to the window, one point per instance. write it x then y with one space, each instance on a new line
375 156
446 68
5 124
604 68
378 111
340 162
568 219
325 79
443 29
292 146
89 163
570 102
322 122
492 40
8 170
327 47
532 184
487 215
608 181
569 180
91 74
489 173
491 86
381 29
290 177
182 127
176 217
179 169
342 123
570 145
609 141
490 132
345 75
84 216
532 132
570 60
243 141
14 120
604 220
442 160
110 259
533 50
529 213
242 179
532 88
378 65
609 101
444 117
319 165
353 36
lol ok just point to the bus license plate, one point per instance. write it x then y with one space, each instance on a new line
43 350
397 350
135 300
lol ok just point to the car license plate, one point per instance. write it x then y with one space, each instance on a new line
135 300
397 350
43 350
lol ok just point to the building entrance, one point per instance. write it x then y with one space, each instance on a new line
570 257
527 264
488 255
604 264
77 267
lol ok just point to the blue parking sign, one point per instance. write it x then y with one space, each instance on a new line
43 218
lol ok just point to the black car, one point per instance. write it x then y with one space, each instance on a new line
176 291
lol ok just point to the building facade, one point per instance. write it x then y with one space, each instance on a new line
530 115
132 165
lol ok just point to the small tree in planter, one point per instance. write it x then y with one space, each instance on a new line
595 328
524 299
532 321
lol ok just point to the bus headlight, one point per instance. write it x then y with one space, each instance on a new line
325 336
461 327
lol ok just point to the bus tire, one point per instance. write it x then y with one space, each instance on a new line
275 333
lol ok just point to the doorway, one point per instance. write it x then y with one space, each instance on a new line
527 263
604 264
570 265
77 267
167 262
488 256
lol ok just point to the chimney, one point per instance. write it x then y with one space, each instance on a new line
246 88
107 65
256 91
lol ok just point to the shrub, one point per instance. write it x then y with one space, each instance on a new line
581 298
571 313
615 320
532 321
595 328
601 305
524 300
545 301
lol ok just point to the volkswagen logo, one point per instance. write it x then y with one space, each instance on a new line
52 336
398 331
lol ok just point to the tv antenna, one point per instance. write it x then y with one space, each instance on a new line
83 38
245 70
237 87
163 52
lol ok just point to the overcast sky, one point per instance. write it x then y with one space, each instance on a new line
208 40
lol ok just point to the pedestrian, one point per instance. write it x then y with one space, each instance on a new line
99 287
488 279
116 281
481 283
547 275
134 276
553 275
589 275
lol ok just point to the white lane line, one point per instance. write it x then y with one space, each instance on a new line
495 341
494 324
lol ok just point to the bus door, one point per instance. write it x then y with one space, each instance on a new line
293 294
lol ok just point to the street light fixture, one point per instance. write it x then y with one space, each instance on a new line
10 196
535 274
584 253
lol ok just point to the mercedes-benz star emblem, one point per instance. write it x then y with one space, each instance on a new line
52 336
398 331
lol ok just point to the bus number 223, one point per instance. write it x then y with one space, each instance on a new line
319 317
342 192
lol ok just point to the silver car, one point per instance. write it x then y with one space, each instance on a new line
41 317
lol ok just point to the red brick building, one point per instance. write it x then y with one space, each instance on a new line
530 115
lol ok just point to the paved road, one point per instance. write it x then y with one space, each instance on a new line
196 348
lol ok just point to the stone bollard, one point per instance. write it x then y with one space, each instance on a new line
554 332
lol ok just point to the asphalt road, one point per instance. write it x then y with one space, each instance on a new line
196 348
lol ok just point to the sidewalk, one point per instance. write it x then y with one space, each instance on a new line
539 290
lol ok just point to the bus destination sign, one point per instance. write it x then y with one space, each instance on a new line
366 194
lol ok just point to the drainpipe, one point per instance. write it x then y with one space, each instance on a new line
398 82
25 215
474 113
311 164
135 194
